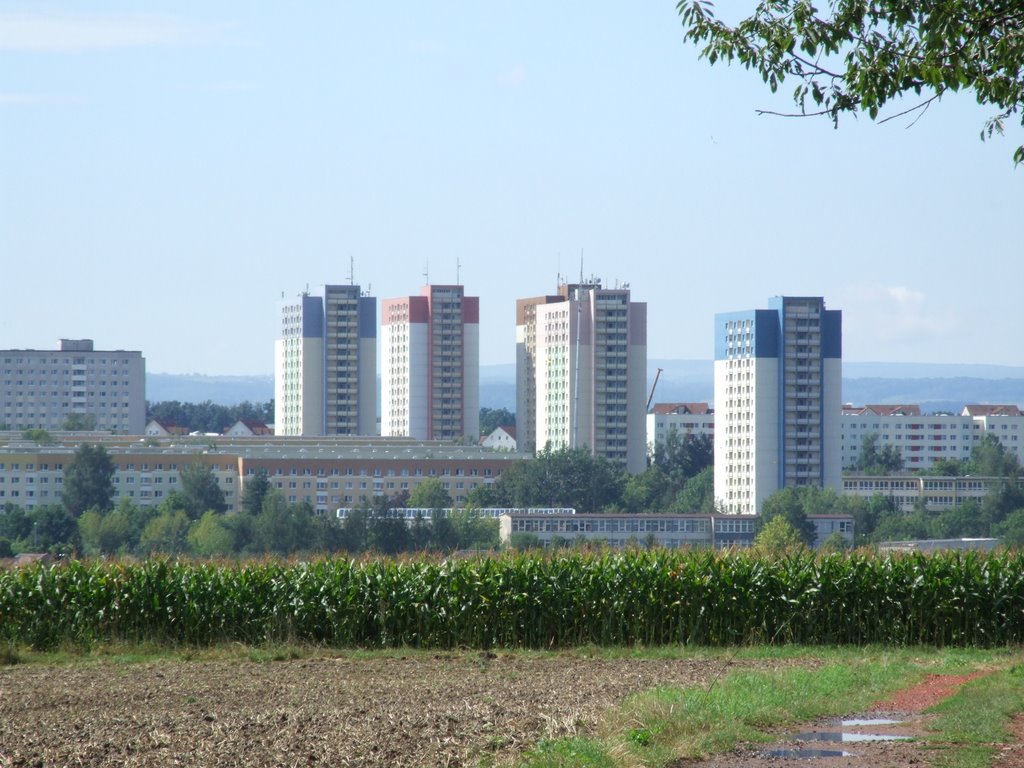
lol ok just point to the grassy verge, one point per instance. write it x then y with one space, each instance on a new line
973 722
659 726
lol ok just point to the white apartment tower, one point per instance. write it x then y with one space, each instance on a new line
778 401
50 389
325 364
581 372
430 365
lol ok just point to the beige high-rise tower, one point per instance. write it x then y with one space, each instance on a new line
581 372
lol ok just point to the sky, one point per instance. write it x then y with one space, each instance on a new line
169 170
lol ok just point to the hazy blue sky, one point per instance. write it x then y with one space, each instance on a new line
167 170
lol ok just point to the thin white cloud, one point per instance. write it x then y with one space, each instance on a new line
904 296
515 76
878 316
62 33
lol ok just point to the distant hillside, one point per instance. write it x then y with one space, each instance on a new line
934 387
196 388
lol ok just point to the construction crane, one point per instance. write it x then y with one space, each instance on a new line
657 375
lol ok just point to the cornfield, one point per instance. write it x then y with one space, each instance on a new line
525 601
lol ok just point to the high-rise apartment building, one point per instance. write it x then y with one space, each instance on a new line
581 368
778 401
76 386
430 365
325 363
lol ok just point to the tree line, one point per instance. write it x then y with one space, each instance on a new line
679 479
208 416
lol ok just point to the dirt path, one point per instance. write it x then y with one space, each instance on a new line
449 709
906 708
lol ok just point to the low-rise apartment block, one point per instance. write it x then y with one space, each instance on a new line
936 493
619 531
326 473
75 384
923 439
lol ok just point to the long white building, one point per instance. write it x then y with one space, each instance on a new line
100 389
778 380
581 372
923 439
430 365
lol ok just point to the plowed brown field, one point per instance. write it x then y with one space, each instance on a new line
449 709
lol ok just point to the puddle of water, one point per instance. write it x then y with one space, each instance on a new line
845 737
807 754
868 722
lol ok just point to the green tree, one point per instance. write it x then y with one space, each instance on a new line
859 57
15 522
282 528
492 418
166 534
474 531
355 530
79 422
1011 530
430 494
873 460
989 458
778 537
645 491
40 436
563 477
834 542
683 456
484 495
88 480
792 504
257 486
211 536
698 495
200 490
386 529
524 541
54 529
104 534
947 467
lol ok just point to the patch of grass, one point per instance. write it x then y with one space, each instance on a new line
976 717
568 753
9 656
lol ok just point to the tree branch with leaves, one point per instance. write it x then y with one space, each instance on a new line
865 54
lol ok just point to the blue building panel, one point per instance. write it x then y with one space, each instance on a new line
367 322
832 334
312 317
767 338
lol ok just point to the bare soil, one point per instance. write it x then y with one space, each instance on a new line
446 709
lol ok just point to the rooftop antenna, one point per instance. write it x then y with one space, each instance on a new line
351 270
426 271
458 271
